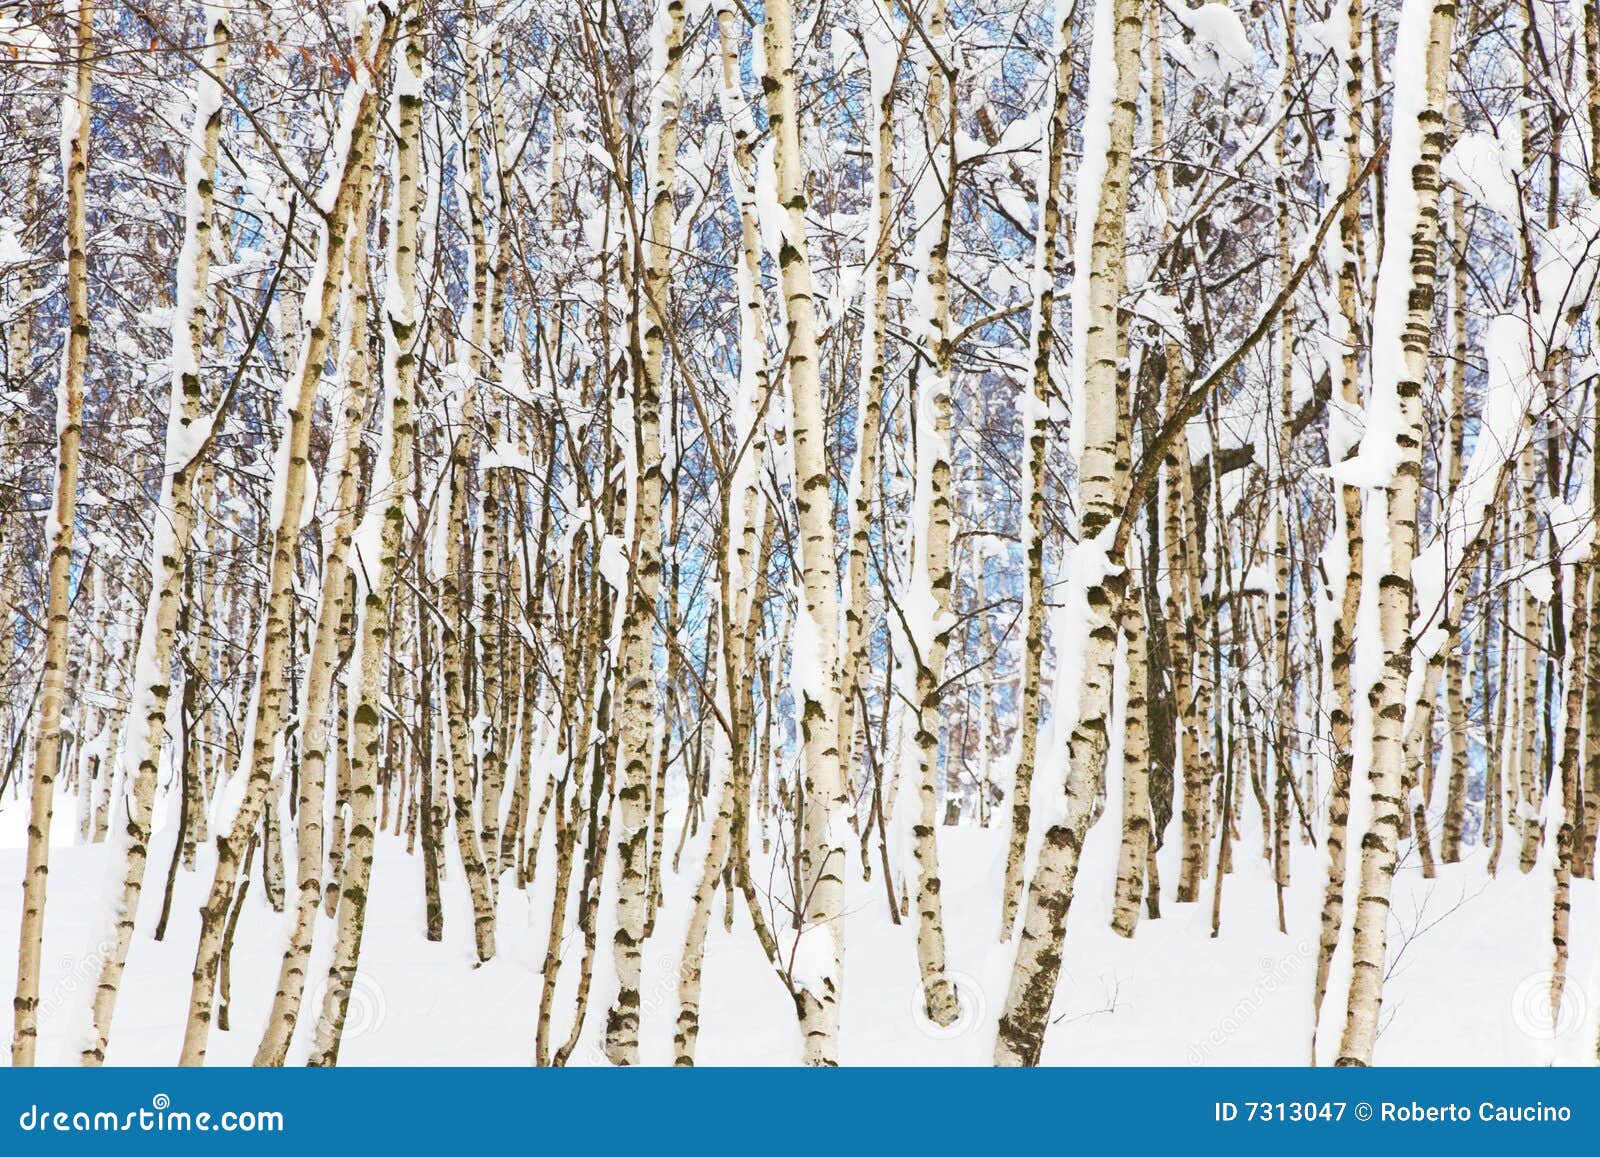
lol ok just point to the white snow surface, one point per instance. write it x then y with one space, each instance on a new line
1465 989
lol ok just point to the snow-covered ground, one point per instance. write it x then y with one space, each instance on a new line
1469 969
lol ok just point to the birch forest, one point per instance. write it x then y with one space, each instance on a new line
800 531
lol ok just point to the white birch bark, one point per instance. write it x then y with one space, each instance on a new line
265 713
1343 555
927 618
75 127
1088 622
1035 407
636 676
456 588
854 657
816 959
1392 451
173 524
377 540
333 606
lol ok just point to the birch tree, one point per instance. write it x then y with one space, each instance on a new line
75 128
338 195
636 676
928 616
377 540
187 432
816 957
1100 344
1391 451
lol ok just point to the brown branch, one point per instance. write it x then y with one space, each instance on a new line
1155 452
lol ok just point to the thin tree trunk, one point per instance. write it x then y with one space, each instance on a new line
266 709
855 656
1035 427
929 619
817 985
377 542
1455 799
1400 356
1283 641
1135 846
1098 581
636 676
457 640
333 605
1345 552
743 547
75 127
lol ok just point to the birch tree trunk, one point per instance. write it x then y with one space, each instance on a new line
333 605
1400 355
1134 851
75 127
1183 602
1036 411
456 587
928 619
1283 640
266 711
1344 553
1455 806
855 656
742 546
1589 820
377 542
494 609
174 523
19 364
817 958
637 674
1530 780
1097 581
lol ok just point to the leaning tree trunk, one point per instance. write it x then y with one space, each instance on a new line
266 711
377 543
173 525
333 605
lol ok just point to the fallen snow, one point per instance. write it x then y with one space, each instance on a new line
1470 956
